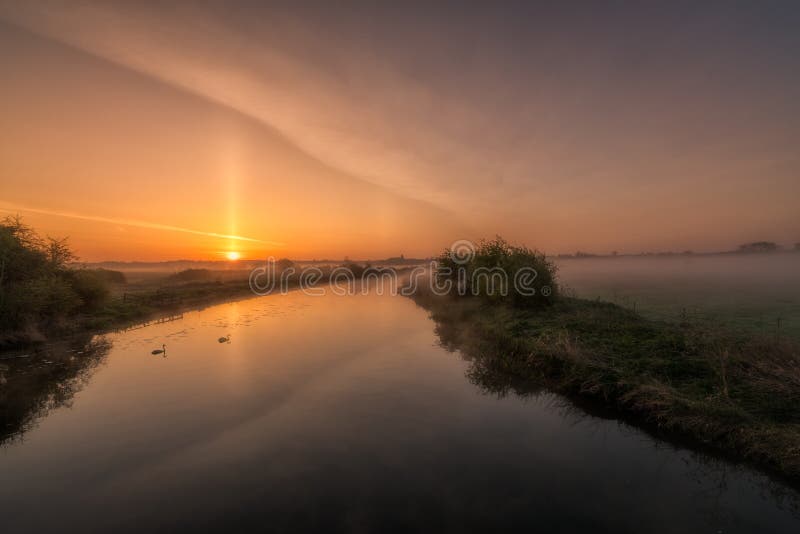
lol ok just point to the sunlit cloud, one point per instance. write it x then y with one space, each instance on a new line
542 126
131 222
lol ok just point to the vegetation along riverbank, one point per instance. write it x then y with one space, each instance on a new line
46 296
734 392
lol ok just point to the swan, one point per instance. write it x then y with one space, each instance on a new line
226 339
162 350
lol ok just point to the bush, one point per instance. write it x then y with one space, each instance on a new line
109 276
35 302
759 246
500 272
283 264
38 289
193 275
356 269
91 287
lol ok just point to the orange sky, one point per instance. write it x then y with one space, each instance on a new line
152 134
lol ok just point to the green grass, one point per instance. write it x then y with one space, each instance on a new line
756 293
145 303
735 392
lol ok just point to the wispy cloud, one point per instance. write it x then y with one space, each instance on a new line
536 123
12 208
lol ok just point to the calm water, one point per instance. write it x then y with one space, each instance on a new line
342 414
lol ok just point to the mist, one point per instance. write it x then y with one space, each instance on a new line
756 291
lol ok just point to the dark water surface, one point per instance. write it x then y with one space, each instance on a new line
341 414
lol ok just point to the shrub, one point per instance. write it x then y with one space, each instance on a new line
356 269
193 275
759 246
91 288
38 289
283 264
500 272
109 276
51 297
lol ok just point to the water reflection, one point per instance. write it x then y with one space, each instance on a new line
344 415
37 382
491 370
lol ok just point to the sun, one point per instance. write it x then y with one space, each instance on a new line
233 255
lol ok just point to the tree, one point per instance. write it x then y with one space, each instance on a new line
59 253
38 288
283 264
759 246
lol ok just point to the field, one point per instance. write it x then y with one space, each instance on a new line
755 293
688 349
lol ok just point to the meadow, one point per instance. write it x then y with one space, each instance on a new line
757 293
682 352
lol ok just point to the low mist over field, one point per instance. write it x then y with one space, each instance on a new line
748 291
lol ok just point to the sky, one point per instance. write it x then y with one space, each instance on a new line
158 131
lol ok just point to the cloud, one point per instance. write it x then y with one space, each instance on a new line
355 108
340 121
555 124
130 222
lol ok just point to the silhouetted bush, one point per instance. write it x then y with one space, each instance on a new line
356 269
500 272
38 289
759 246
194 275
109 276
283 264
92 288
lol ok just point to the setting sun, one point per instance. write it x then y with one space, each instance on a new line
233 255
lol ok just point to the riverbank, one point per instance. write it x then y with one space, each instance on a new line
159 296
129 308
732 392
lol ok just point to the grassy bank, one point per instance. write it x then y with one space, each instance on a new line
128 307
735 393
130 304
46 295
142 304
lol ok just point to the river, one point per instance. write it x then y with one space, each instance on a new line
338 414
